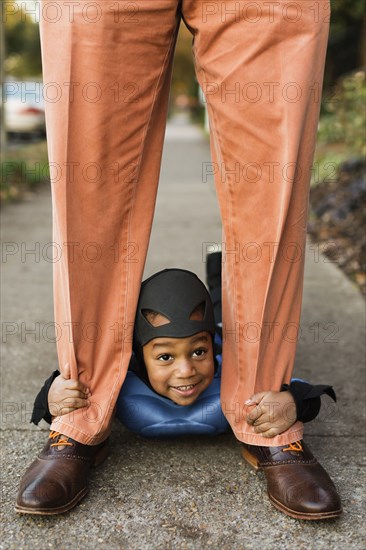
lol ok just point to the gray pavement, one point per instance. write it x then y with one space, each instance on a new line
191 493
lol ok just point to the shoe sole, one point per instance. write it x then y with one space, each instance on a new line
54 511
253 461
98 459
304 515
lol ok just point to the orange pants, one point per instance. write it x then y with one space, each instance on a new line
107 72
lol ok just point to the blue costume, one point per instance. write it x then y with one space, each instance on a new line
148 414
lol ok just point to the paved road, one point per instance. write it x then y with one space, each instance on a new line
192 493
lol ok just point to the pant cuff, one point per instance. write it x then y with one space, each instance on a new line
77 434
295 433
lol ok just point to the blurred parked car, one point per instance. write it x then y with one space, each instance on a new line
24 107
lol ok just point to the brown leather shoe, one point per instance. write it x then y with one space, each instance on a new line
57 480
296 483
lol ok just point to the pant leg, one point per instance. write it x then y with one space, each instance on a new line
260 65
110 72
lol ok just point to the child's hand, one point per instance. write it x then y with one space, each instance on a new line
273 413
67 395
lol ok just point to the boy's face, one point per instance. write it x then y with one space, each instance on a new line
180 368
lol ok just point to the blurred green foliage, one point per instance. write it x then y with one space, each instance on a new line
23 49
341 132
347 39
343 119
352 8
22 169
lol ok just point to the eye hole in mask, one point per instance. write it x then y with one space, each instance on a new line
198 314
155 318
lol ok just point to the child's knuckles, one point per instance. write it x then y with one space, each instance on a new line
255 413
70 402
259 429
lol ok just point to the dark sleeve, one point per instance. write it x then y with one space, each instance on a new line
40 407
307 398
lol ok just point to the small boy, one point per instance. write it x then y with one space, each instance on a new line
174 363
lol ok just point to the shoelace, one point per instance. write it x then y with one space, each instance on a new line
62 441
297 447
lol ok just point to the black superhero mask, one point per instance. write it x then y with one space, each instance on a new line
175 294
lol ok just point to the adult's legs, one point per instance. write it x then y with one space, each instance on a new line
107 74
260 65
110 68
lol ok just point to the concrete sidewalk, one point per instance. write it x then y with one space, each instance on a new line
192 493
